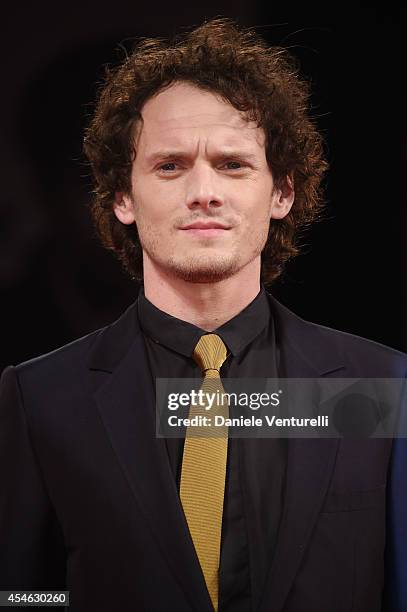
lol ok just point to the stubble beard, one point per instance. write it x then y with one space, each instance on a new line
196 268
199 267
205 269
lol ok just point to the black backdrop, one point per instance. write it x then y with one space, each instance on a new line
57 283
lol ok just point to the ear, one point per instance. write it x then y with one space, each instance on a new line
282 198
123 208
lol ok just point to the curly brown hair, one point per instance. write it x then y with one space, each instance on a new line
238 65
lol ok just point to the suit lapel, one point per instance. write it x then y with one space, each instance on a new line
310 462
126 403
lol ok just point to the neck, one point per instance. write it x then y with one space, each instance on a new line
206 305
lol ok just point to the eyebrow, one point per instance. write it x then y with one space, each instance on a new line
180 154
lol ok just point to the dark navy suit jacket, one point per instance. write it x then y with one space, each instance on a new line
88 502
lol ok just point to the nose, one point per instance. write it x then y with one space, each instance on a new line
203 188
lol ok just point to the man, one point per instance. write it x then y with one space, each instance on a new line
206 167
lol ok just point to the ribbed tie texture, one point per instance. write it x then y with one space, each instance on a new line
204 460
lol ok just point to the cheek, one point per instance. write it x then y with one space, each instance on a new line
149 210
256 211
158 202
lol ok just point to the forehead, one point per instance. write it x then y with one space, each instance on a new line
183 113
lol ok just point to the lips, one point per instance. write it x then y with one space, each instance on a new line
204 226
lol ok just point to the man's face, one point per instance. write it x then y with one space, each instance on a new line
199 161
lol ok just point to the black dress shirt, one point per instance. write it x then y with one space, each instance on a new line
255 472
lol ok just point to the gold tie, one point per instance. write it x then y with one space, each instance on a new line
203 472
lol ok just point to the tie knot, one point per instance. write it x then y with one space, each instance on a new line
210 352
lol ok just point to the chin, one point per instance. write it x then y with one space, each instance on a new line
211 273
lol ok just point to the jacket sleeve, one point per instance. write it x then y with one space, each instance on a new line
32 553
395 592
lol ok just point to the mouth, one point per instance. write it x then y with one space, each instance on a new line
206 232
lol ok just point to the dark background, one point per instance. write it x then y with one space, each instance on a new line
57 283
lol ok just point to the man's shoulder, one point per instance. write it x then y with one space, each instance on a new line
76 356
364 357
356 346
64 363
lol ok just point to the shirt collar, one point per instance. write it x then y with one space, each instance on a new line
182 337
